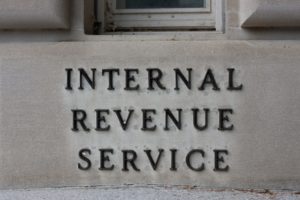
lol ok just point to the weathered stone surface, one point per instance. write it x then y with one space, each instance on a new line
145 192
34 14
269 13
39 149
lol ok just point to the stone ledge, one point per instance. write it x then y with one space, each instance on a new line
145 193
34 14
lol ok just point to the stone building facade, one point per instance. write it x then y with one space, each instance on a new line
117 100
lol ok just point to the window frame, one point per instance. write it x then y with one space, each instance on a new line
205 9
173 19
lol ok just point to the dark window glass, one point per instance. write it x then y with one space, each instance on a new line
154 4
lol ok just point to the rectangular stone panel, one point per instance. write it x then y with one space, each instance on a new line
250 92
34 14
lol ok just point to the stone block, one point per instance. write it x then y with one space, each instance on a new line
34 14
40 148
269 13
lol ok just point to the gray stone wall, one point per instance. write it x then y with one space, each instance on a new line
39 151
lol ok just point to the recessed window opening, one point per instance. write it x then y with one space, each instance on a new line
111 16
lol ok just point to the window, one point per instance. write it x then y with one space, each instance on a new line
155 4
158 15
